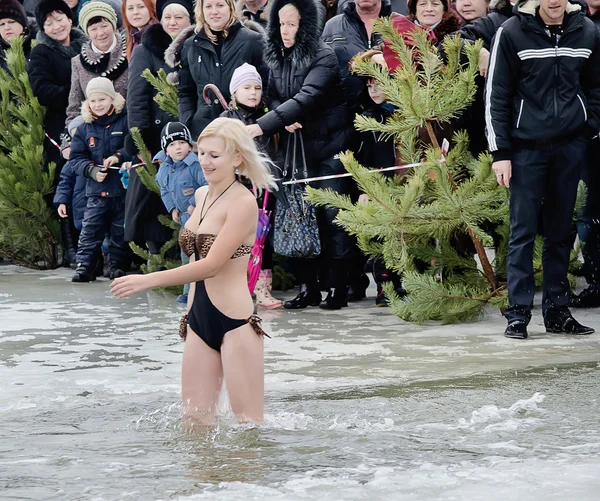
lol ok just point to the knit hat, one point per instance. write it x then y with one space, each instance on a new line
47 7
188 5
243 74
174 131
96 9
102 85
12 9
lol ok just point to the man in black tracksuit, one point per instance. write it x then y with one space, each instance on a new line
542 106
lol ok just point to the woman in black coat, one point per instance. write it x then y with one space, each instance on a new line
14 23
220 45
49 68
142 207
305 94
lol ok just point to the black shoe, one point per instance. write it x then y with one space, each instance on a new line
381 299
336 299
115 271
587 298
84 273
358 290
567 325
516 330
306 297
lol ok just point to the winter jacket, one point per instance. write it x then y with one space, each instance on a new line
304 86
266 144
200 65
261 17
71 192
486 27
178 183
174 52
96 140
347 36
90 64
537 92
373 151
398 6
143 112
49 70
406 25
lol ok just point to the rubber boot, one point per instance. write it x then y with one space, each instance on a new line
263 291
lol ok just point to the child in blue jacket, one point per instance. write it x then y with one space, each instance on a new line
97 149
179 176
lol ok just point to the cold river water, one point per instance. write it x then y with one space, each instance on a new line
359 406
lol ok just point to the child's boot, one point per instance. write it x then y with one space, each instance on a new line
84 273
263 291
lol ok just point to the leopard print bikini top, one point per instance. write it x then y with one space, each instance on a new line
190 243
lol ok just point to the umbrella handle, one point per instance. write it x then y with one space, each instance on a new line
217 93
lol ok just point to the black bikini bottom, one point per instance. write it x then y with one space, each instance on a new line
211 324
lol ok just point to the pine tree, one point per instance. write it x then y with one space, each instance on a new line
29 227
413 222
167 92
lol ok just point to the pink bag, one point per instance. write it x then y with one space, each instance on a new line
256 255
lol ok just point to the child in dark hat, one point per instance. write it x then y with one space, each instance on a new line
179 176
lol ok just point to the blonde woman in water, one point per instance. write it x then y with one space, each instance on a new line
224 337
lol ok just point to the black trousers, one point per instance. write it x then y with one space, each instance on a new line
543 185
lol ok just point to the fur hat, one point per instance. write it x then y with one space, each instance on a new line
47 7
102 85
12 9
97 9
174 131
242 74
188 5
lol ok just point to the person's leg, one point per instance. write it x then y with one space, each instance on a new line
90 238
117 248
201 380
529 169
243 366
306 274
561 194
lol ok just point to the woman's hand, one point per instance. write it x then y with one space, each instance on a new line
254 130
484 61
62 211
293 128
130 285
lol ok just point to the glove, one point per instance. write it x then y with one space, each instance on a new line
124 172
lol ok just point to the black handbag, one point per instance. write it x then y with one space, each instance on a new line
296 232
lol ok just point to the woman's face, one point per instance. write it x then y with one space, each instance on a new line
174 21
249 94
289 22
429 12
102 35
216 13
137 13
58 27
217 163
10 29
471 10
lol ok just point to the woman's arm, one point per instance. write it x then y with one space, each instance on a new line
240 218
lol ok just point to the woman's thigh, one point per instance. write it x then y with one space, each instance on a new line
243 365
201 379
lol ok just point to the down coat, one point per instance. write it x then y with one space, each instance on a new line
304 87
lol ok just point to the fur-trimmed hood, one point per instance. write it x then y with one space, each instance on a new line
156 40
78 38
530 7
307 38
173 53
86 113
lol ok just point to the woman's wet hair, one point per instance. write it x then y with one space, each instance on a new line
255 165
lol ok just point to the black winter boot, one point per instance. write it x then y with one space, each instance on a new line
84 273
308 296
115 271
337 297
